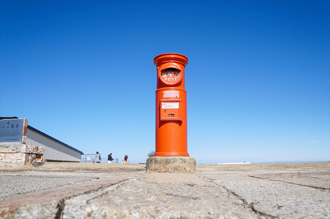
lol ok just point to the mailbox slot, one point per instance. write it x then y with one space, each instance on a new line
170 74
170 110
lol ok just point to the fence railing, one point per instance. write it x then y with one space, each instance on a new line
90 158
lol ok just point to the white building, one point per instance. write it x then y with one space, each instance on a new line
55 150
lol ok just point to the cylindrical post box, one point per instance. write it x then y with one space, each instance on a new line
171 105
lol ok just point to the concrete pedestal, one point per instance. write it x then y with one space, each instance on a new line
171 165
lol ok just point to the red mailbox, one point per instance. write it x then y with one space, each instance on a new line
171 105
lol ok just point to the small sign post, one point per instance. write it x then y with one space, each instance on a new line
11 130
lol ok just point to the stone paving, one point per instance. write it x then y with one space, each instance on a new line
127 191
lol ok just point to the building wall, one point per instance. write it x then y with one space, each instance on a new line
53 150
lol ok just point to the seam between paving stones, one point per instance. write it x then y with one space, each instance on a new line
102 191
60 205
292 183
47 188
110 187
245 203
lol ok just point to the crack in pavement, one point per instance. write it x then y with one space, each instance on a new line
76 206
60 207
106 189
292 183
182 196
245 203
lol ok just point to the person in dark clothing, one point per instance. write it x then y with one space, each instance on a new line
110 159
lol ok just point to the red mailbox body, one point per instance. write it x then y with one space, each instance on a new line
171 105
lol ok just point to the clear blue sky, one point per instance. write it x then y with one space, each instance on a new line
257 81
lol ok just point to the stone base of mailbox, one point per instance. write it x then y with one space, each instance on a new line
171 165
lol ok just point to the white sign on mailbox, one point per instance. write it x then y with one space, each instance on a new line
170 105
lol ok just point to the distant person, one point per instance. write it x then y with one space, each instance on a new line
110 159
125 159
98 157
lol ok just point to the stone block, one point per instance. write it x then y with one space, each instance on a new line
18 154
12 154
171 164
10 147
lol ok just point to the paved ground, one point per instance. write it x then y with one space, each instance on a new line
61 190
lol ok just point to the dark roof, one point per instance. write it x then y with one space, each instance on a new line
54 139
10 117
